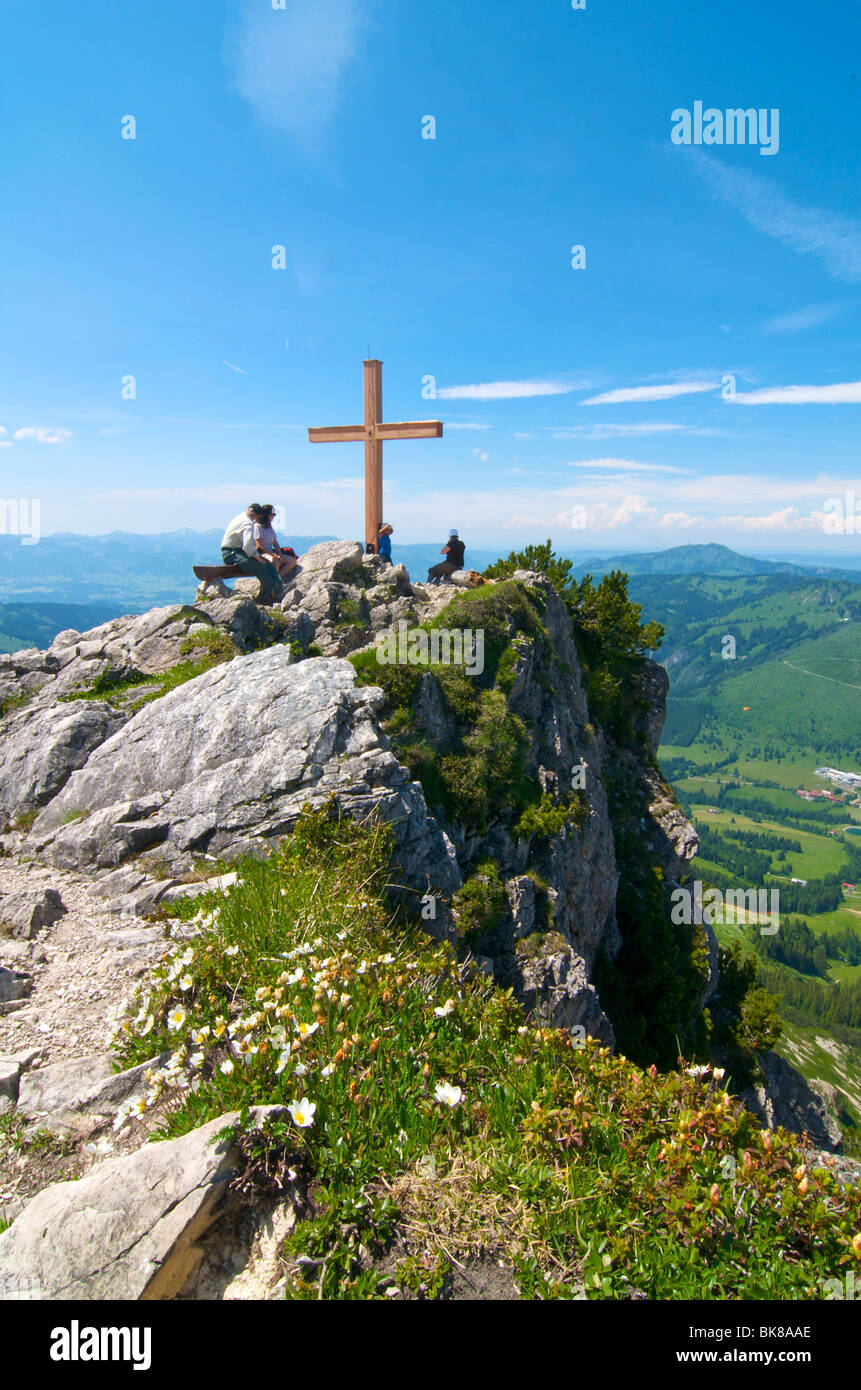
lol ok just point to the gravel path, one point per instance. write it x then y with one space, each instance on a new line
83 967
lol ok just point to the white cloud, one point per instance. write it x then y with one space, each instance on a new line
800 319
289 64
505 390
607 431
838 393
481 455
6 444
42 435
652 393
626 466
464 425
233 368
835 241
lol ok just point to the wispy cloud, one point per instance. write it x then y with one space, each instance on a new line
838 393
289 63
43 435
607 431
666 392
835 241
800 319
233 368
506 390
785 520
464 425
626 466
481 455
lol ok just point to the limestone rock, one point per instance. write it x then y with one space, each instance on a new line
229 759
785 1098
555 988
81 1084
42 748
27 913
14 985
129 1229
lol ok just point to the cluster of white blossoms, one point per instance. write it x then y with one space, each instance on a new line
700 1072
285 1016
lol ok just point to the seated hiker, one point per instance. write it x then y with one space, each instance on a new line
384 542
453 551
238 548
266 543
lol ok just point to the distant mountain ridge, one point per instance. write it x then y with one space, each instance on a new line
132 572
711 559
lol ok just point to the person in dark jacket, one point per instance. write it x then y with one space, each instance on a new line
453 552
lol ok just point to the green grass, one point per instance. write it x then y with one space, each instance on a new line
302 987
820 855
216 648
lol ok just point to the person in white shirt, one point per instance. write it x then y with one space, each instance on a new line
238 548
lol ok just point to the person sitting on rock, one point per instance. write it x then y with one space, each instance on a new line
453 551
384 542
266 543
238 548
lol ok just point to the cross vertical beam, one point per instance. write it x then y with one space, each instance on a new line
373 450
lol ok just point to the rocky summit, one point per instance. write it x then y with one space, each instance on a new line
144 761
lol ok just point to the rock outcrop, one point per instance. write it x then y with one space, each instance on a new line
222 765
133 1227
784 1098
228 760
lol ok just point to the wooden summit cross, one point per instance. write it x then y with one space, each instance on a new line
373 433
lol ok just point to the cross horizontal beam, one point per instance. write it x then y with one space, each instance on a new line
406 429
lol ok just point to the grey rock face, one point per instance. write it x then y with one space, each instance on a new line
81 1084
28 913
129 1229
784 1098
14 985
42 748
552 981
230 758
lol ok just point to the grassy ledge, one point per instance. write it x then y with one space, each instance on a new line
431 1124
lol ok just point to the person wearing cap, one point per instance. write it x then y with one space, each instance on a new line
384 542
453 552
238 548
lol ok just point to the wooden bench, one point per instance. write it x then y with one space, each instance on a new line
208 572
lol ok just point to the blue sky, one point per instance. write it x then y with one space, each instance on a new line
597 388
